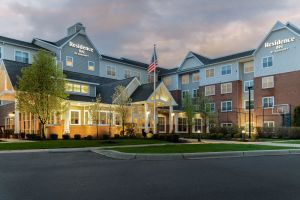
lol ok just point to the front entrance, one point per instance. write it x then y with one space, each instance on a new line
161 124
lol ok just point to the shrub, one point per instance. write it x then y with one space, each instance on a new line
77 136
116 136
219 135
237 135
149 135
66 136
105 137
29 136
130 129
53 136
22 135
212 136
155 136
228 136
89 137
175 138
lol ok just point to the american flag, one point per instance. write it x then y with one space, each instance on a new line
154 62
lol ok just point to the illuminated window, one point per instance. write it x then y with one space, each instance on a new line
182 124
69 61
117 119
197 124
268 82
167 80
269 124
226 88
103 118
209 73
209 90
77 88
248 67
185 79
21 56
75 117
246 104
9 123
196 77
91 65
110 71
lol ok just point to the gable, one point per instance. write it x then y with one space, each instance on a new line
190 62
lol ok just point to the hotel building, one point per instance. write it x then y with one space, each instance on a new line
272 69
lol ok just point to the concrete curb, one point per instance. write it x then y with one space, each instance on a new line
191 156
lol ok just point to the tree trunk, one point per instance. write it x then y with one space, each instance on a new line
43 130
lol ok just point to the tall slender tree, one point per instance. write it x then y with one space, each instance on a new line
94 111
190 111
122 101
41 89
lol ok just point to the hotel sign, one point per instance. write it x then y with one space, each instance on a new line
279 44
81 49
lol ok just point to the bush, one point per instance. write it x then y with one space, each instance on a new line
155 136
130 129
228 136
219 135
212 136
175 138
237 135
105 137
116 136
22 135
66 136
77 136
53 136
89 137
32 136
149 135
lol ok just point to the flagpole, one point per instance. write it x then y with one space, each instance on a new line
154 89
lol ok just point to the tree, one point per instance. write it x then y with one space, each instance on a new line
201 103
122 100
94 111
41 89
296 121
190 111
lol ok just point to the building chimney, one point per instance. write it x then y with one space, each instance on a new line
76 28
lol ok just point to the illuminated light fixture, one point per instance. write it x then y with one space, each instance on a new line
148 112
11 114
173 114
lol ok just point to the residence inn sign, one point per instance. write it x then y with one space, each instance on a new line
279 44
81 49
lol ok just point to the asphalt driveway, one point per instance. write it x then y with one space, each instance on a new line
36 176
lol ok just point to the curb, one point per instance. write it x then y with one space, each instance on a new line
192 156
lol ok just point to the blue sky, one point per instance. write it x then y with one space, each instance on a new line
129 28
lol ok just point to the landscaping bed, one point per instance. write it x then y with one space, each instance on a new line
194 148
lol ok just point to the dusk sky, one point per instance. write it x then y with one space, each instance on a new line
129 28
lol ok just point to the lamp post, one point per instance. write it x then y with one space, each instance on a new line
249 107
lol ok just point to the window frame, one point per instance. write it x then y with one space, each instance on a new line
94 66
262 82
228 65
188 79
193 77
269 97
267 57
226 106
111 67
79 117
22 51
222 92
208 69
246 90
184 126
214 86
197 127
184 91
67 61
245 68
210 106
246 104
226 124
268 122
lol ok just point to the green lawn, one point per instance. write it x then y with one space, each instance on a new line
289 141
52 144
192 148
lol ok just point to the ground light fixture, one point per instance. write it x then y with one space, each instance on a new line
199 136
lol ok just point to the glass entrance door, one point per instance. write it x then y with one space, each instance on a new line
162 124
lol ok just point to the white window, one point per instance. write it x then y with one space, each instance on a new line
226 106
226 124
103 118
138 75
182 124
127 73
117 119
248 84
9 123
91 65
267 61
197 124
185 93
75 117
209 73
268 102
77 88
69 61
167 80
246 104
209 90
226 88
248 67
110 71
226 70
195 93
267 82
185 79
150 78
1 52
269 124
210 107
196 77
21 56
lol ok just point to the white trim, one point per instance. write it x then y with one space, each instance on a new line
252 67
262 83
210 68
245 84
198 73
230 65
222 92
226 106
79 116
194 125
262 101
112 67
165 123
214 86
227 123
262 61
67 62
268 122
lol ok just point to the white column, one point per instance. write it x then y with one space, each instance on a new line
17 120
146 118
67 120
171 119
176 122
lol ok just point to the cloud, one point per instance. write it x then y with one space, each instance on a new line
129 28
